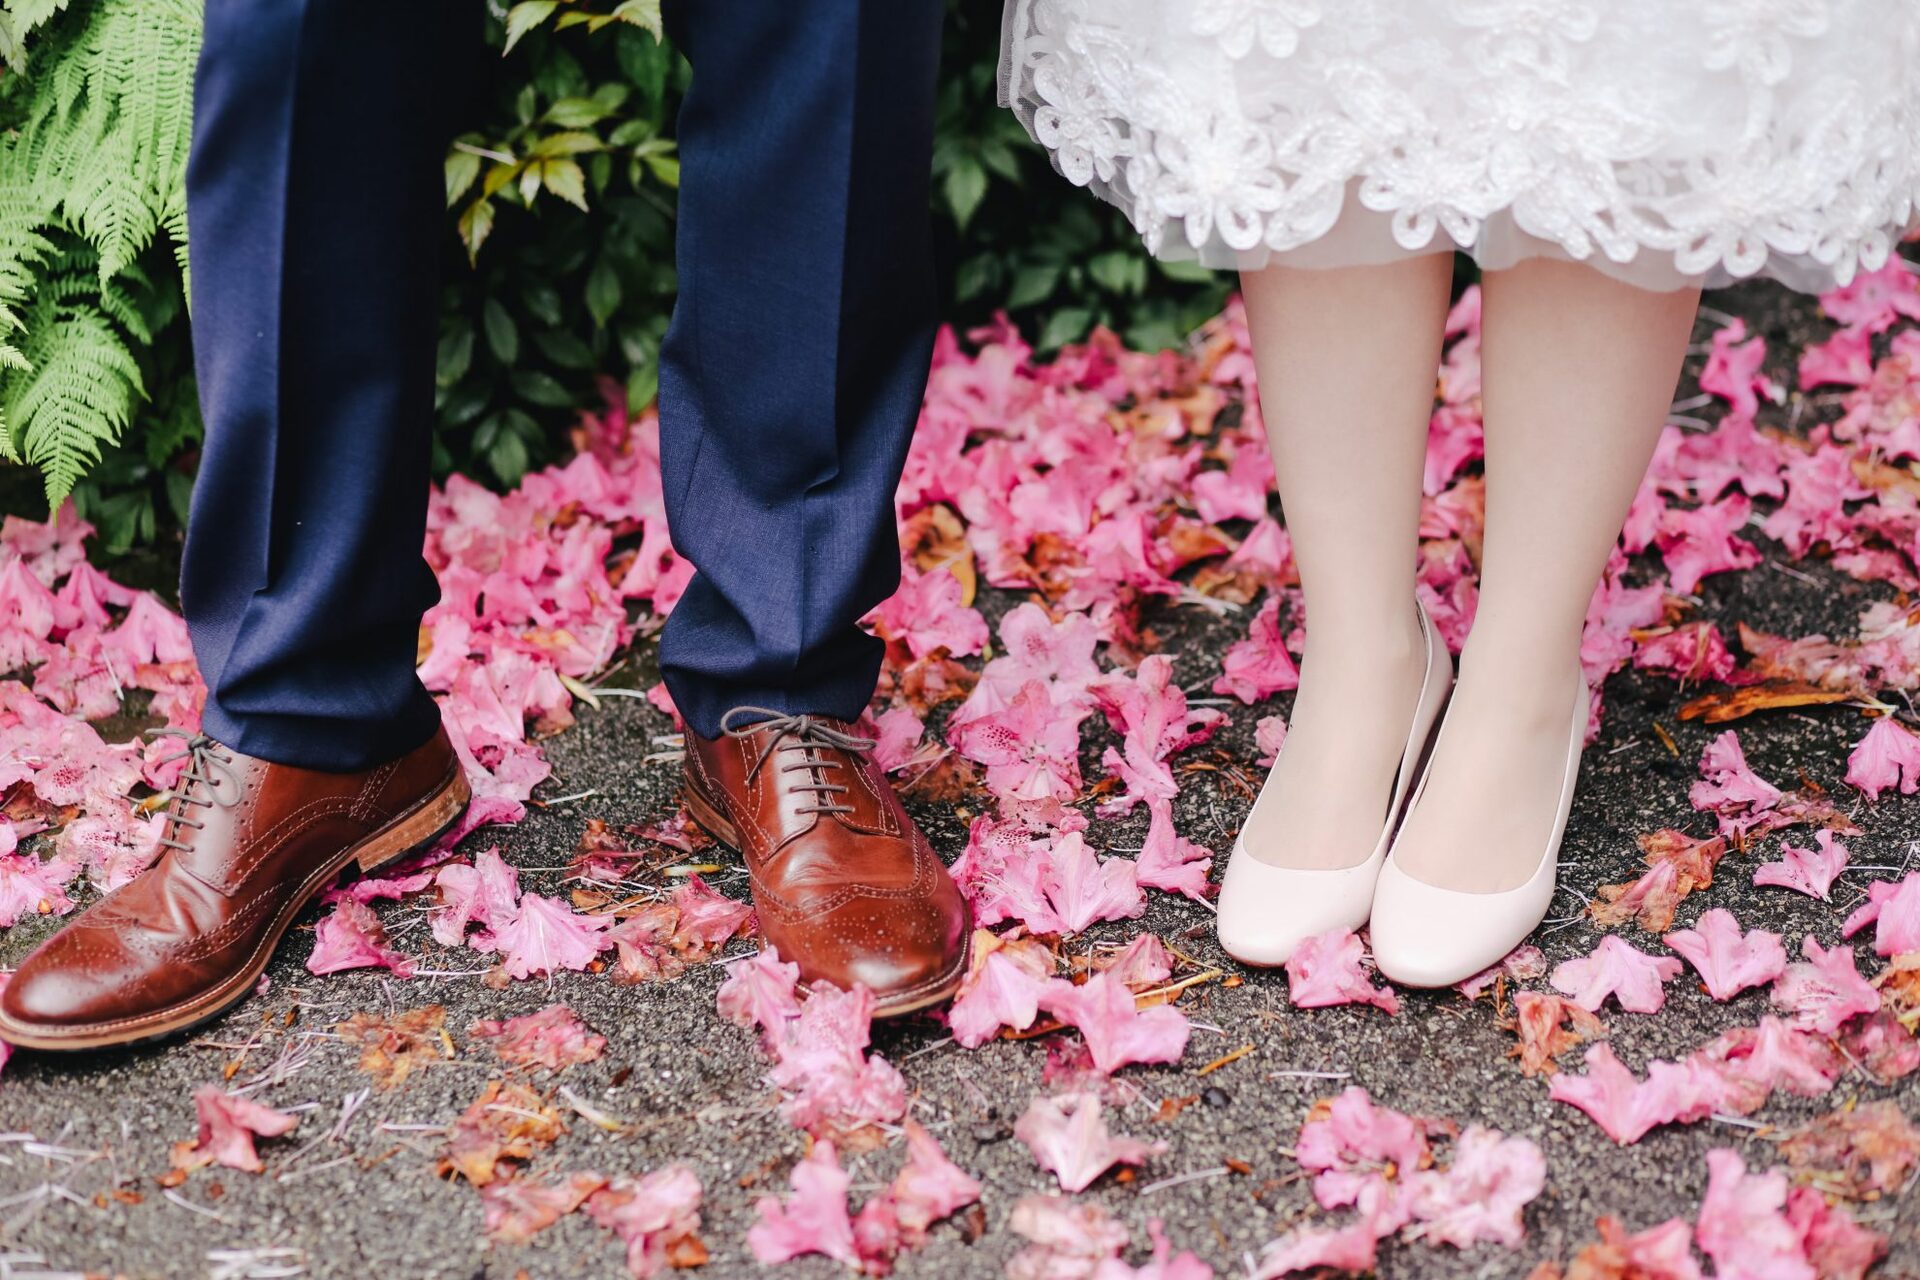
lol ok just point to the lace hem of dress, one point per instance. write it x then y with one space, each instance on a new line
1348 165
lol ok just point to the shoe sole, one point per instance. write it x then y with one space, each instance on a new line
416 829
913 1000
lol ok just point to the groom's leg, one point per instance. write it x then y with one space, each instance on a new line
793 371
316 205
314 196
790 382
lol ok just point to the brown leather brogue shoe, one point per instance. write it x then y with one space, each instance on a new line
247 845
844 883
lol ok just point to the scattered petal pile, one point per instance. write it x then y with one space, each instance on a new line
1103 488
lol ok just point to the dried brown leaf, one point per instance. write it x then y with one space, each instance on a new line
1547 1026
1722 705
391 1049
507 1123
1860 1153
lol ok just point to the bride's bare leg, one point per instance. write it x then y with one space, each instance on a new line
1346 360
1578 373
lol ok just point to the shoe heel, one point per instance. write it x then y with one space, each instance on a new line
708 819
420 828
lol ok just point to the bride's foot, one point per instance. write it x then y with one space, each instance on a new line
1307 859
1493 789
1473 869
1324 803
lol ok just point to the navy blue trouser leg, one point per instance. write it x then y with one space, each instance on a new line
790 382
794 367
315 203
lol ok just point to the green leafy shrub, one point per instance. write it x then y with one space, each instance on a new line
562 198
1025 241
565 207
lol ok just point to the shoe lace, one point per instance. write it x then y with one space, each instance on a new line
208 764
811 738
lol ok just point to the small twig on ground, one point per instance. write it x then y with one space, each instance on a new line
174 1197
1224 1059
1198 1175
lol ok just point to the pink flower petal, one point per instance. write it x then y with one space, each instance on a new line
1741 1226
1143 962
1616 969
928 1187
1082 889
898 733
1845 359
1315 1249
759 992
553 1038
1691 654
1874 300
831 1084
353 938
1031 747
927 616
1805 870
1888 757
1002 989
1728 787
30 886
1259 666
1727 961
813 1219
1523 964
484 893
1703 540
1069 1138
709 918
1067 1239
1734 370
228 1125
1894 911
545 935
1824 990
1625 1107
1116 1032
1836 1246
1328 970
1482 1192
1169 860
1150 713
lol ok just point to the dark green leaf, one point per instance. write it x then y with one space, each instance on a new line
1069 324
1031 285
456 355
543 301
603 291
503 338
966 184
542 389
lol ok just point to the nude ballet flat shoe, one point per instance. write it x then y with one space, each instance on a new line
1426 936
1266 911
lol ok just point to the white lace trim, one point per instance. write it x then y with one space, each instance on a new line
1730 137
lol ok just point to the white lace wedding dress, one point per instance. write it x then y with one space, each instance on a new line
1663 141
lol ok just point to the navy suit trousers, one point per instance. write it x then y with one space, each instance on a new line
790 379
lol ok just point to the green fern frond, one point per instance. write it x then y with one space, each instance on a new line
77 396
18 20
96 150
173 216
